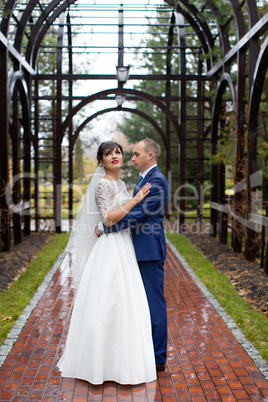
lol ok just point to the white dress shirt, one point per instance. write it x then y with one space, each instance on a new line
143 174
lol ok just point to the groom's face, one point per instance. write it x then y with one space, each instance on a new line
140 158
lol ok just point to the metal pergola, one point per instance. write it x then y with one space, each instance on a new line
230 76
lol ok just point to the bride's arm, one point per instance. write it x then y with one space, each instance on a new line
104 196
115 216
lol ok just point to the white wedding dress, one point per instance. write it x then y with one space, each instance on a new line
110 338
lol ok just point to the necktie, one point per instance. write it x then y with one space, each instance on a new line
140 180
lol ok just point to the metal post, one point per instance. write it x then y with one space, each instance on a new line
5 224
70 156
27 167
36 156
182 115
120 36
14 131
200 142
57 135
168 94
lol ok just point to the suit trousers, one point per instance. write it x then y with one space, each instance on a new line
152 273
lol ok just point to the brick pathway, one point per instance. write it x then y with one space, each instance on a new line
205 360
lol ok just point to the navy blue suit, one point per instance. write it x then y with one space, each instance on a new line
146 223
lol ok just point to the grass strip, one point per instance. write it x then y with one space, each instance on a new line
252 323
17 297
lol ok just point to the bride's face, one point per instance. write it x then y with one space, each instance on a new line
112 159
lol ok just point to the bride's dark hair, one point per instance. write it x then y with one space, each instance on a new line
106 147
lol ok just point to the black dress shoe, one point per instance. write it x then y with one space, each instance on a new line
159 368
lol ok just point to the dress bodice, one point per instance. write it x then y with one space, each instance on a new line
110 195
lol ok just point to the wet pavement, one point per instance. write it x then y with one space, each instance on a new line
206 360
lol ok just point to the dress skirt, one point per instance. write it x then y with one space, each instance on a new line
110 337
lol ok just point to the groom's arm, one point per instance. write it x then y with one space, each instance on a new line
154 203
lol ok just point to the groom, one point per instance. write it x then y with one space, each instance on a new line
146 223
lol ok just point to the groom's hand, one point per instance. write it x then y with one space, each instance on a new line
99 229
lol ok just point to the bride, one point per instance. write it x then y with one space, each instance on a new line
109 337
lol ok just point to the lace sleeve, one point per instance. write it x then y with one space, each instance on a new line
104 196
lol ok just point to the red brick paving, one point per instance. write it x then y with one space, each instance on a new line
205 361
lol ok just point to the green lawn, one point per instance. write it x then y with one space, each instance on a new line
253 324
17 297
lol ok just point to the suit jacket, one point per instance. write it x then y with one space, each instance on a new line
146 219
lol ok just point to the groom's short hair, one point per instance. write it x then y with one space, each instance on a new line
151 145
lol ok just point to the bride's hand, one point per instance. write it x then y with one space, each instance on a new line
144 191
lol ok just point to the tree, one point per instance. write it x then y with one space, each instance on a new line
159 61
79 171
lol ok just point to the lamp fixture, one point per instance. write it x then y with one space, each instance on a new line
120 99
122 73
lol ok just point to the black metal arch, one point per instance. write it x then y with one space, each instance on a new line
217 174
23 29
257 86
44 22
240 115
252 13
224 82
8 10
239 18
252 140
121 91
22 24
201 31
41 28
119 109
17 79
16 82
222 28
37 27
200 27
253 45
